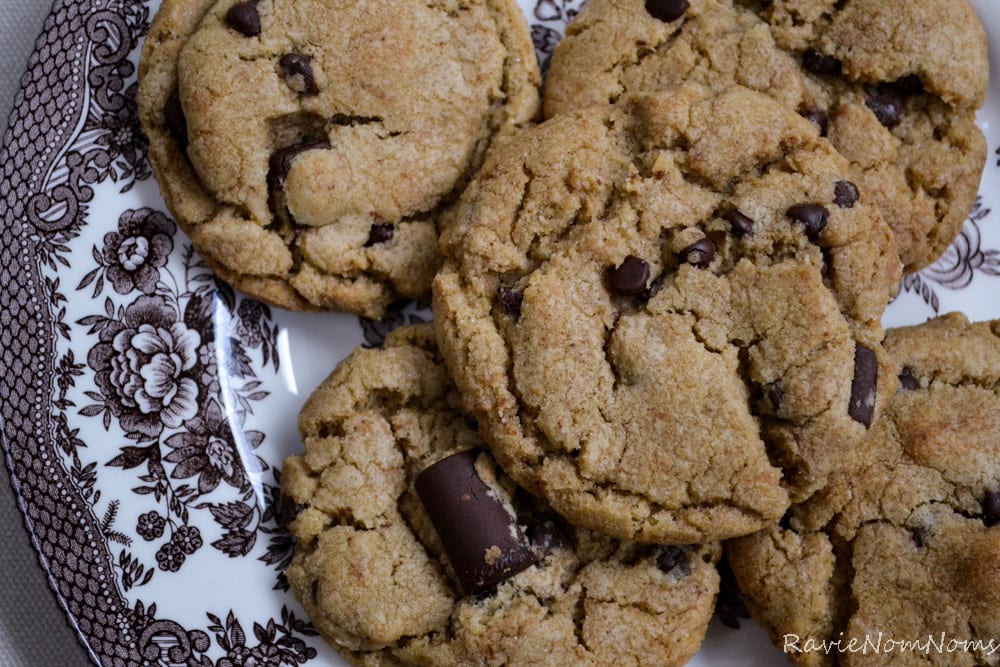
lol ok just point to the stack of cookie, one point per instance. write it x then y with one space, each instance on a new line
657 314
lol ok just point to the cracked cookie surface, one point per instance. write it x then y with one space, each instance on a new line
380 584
894 86
666 317
906 542
309 147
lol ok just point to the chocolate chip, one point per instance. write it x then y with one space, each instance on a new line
845 194
281 160
909 85
630 277
811 216
819 63
818 118
176 122
286 510
919 536
380 233
666 10
673 559
886 102
510 300
699 254
863 387
298 73
775 394
991 508
480 537
729 607
546 537
740 224
244 18
907 380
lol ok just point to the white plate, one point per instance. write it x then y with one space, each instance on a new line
154 518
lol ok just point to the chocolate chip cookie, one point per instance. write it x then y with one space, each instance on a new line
309 147
666 315
894 86
413 549
905 546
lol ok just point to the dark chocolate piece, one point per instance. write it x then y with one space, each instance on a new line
244 18
991 508
775 395
510 300
629 278
546 537
818 118
845 194
281 160
886 102
864 385
699 254
298 73
819 63
907 380
480 537
380 233
666 10
811 216
673 559
740 224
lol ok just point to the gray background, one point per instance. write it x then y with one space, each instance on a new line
34 631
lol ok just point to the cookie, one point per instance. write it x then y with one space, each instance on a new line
413 549
310 147
894 86
906 545
666 316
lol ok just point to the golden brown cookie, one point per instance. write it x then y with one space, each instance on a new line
904 546
894 86
413 549
309 147
666 315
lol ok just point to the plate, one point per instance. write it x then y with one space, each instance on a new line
153 509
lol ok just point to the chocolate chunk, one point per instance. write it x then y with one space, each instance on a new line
811 216
510 300
699 254
546 537
775 394
630 277
666 10
673 559
845 194
864 385
818 118
286 510
740 224
281 160
298 73
244 18
819 63
729 607
907 380
919 536
886 102
380 233
176 122
991 508
480 537
909 85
